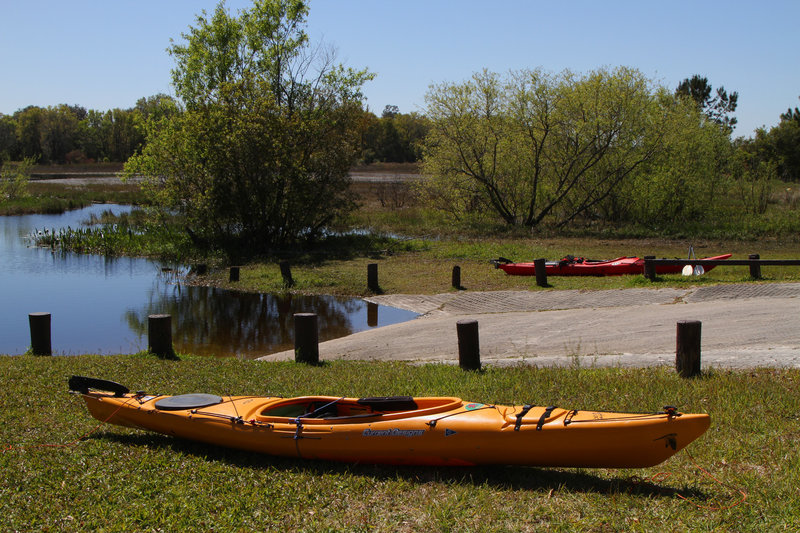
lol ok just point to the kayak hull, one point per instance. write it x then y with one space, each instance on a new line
615 267
437 431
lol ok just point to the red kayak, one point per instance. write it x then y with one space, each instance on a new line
579 266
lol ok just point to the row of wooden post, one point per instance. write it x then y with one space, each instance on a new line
372 276
687 350
306 340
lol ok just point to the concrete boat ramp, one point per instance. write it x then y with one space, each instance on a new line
743 326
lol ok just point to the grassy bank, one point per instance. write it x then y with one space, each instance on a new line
425 267
53 198
120 479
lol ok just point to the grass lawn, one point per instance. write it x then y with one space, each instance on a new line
119 479
425 267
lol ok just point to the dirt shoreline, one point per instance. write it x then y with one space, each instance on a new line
743 326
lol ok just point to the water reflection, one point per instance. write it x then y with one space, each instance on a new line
212 321
101 305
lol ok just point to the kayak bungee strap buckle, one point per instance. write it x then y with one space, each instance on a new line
671 410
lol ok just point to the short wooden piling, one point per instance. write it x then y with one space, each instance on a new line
649 268
159 335
755 268
286 274
372 314
687 349
456 277
306 338
40 333
372 277
233 275
469 351
539 268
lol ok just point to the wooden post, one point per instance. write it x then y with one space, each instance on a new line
649 268
159 335
40 333
456 278
755 269
469 351
286 274
306 338
234 274
541 273
687 350
372 277
372 314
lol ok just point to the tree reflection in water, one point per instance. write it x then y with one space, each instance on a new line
212 321
100 304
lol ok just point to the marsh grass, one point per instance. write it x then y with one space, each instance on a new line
119 479
54 198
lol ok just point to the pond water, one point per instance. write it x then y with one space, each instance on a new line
101 304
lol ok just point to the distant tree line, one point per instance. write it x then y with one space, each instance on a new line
393 137
67 134
72 134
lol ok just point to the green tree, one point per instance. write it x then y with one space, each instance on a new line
29 121
390 111
8 137
394 137
718 108
752 180
14 179
261 154
685 176
535 145
60 132
780 146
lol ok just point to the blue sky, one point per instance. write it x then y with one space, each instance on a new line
104 54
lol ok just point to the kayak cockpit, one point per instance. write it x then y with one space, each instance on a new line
327 407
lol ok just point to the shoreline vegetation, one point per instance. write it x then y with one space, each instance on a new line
415 250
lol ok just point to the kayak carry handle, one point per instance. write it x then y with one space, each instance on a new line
82 384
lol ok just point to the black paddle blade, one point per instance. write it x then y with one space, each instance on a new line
82 384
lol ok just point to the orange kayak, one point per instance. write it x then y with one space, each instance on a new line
401 429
